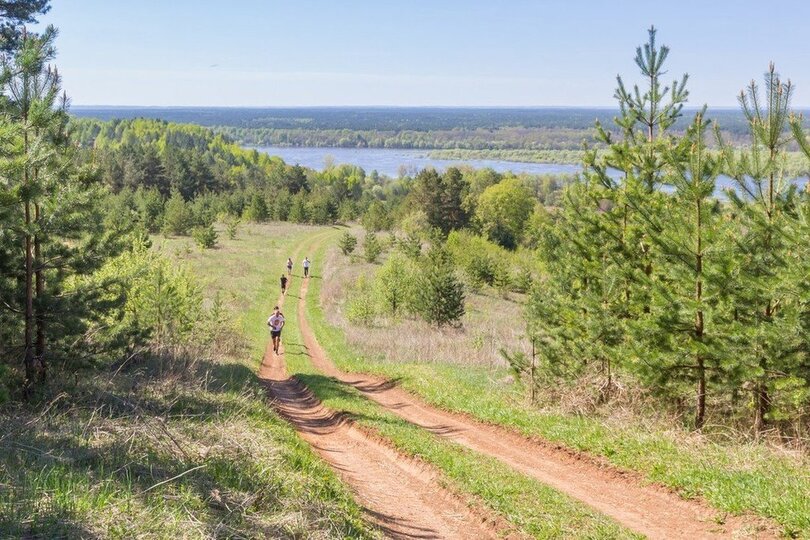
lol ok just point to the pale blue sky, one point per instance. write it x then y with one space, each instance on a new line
419 52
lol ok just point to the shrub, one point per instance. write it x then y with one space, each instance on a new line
206 237
347 243
232 226
360 307
394 285
439 295
481 270
410 245
178 217
372 247
256 210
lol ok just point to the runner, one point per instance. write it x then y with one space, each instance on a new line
283 283
276 323
306 264
289 266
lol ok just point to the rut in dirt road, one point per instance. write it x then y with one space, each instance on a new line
401 497
649 510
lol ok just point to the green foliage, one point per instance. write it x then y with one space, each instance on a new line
232 226
410 245
372 249
163 301
395 285
178 217
205 236
347 243
503 210
439 293
298 209
377 217
361 307
441 198
149 204
256 210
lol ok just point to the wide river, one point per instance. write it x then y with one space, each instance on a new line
391 161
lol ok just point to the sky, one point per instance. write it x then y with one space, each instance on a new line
416 52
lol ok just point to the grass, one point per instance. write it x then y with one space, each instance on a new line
175 447
735 477
526 504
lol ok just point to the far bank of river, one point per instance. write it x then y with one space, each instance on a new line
393 161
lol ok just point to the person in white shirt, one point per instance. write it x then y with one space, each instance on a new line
306 264
276 323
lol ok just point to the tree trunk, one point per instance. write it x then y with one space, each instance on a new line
762 404
700 410
40 294
30 367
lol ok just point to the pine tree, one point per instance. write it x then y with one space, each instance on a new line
177 218
765 308
347 243
645 119
440 294
685 335
58 224
371 246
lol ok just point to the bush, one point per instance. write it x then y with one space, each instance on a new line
410 245
360 307
395 285
347 243
481 270
232 226
256 210
206 237
178 217
439 295
372 247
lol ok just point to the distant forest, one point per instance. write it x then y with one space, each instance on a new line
411 127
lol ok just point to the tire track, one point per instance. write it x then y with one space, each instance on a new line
400 496
647 509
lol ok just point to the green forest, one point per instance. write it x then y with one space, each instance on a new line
648 282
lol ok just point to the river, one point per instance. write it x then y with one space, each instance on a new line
391 161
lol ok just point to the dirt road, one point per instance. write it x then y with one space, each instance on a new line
400 496
649 510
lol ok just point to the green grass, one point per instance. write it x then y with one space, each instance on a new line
734 478
528 505
181 447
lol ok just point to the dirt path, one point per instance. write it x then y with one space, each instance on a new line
649 510
400 496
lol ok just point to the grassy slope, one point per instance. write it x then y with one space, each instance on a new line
736 479
89 460
528 505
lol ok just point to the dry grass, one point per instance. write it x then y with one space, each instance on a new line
491 323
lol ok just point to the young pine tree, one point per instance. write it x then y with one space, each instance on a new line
440 294
684 338
765 308
57 223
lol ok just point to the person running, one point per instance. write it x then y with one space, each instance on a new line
306 264
283 283
289 266
276 323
